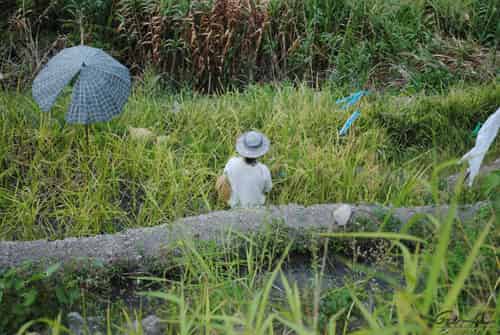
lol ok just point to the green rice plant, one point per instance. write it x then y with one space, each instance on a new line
57 186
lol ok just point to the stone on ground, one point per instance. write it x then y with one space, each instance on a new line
342 215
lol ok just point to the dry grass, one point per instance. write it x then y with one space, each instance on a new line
226 41
221 44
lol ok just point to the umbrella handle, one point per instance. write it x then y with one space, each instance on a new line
81 28
87 135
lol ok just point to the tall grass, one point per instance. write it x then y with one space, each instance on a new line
53 185
224 44
57 186
244 290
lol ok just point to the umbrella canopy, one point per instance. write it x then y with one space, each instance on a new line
100 92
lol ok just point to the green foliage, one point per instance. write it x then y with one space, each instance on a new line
218 288
53 186
222 44
418 125
237 285
58 187
335 302
27 294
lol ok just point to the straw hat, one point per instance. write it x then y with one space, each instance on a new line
252 144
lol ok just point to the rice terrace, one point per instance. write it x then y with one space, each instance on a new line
249 167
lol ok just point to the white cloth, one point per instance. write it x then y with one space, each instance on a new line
485 137
249 183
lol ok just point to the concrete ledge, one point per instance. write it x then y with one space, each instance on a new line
134 246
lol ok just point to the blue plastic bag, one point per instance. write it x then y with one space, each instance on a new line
349 122
351 100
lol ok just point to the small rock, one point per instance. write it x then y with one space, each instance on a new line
239 329
140 133
94 325
342 215
76 323
161 139
151 325
79 326
176 108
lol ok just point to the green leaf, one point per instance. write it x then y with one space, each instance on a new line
73 294
162 295
410 267
465 271
60 295
29 297
438 258
366 314
52 269
19 284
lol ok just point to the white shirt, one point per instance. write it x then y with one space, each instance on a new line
248 183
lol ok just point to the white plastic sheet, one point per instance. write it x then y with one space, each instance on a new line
484 139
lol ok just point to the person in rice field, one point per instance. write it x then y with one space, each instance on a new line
246 181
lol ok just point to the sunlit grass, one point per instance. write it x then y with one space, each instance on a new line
52 185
